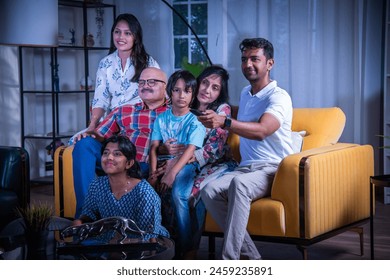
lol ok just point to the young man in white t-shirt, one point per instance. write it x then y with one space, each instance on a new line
264 126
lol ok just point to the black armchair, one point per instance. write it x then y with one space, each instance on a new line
14 182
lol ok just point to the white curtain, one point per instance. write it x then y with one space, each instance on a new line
9 97
327 53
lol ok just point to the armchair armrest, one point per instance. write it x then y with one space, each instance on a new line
64 196
324 188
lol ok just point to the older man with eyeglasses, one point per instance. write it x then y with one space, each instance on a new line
134 121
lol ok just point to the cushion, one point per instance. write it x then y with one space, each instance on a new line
297 140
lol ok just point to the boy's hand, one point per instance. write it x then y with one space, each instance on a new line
172 148
153 180
167 180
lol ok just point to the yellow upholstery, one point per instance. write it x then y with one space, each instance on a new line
64 196
323 126
323 188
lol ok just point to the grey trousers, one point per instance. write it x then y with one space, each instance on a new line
228 199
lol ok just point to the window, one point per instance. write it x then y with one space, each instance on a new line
187 46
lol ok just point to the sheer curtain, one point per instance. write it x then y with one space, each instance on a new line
327 53
9 97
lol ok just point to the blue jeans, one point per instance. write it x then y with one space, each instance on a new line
198 216
181 191
86 159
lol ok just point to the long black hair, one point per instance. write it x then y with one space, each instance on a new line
139 56
224 93
128 149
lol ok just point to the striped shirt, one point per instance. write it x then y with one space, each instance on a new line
134 121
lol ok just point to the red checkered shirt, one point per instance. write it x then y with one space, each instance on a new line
134 121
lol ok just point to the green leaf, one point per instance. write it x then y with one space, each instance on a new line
36 217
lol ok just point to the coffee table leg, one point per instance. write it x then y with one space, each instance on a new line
372 220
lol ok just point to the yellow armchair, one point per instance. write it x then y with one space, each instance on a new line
316 193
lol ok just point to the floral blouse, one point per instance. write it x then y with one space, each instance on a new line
213 157
114 87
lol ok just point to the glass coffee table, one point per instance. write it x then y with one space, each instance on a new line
110 245
93 249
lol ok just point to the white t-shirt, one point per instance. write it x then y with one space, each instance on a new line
275 101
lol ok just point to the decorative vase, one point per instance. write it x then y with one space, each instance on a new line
89 84
36 244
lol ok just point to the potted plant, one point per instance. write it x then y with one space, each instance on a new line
36 219
194 68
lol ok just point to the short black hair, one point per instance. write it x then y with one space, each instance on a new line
189 80
258 43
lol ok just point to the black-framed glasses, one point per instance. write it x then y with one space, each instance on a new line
150 82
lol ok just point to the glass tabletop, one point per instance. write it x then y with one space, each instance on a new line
98 247
112 238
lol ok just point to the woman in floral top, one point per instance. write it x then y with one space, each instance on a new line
213 158
118 72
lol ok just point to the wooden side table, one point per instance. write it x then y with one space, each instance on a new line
375 181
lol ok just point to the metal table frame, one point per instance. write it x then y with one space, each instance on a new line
375 181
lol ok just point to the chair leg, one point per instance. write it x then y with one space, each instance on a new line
359 230
303 250
211 247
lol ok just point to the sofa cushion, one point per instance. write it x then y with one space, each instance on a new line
297 140
323 126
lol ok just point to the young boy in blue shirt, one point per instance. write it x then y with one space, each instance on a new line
180 124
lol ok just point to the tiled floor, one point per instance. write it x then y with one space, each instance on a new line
342 247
